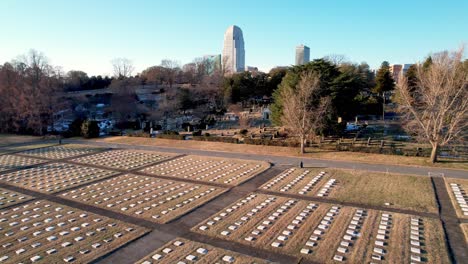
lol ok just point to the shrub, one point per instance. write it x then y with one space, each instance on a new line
74 130
139 134
243 131
171 136
216 139
197 133
90 129
269 142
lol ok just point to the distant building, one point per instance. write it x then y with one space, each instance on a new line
302 55
397 69
213 63
233 50
251 69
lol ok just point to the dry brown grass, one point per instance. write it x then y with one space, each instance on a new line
402 191
287 151
76 245
214 254
9 198
191 167
6 139
114 191
464 186
398 242
464 227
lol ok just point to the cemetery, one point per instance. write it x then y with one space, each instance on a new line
182 250
326 233
457 189
12 162
373 188
124 159
54 177
209 169
46 232
150 198
9 198
296 213
61 151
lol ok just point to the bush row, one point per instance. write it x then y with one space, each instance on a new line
166 136
268 142
216 139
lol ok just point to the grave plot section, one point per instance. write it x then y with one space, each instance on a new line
145 197
182 250
11 162
324 233
55 177
61 152
8 198
457 189
48 232
363 187
309 182
209 169
124 159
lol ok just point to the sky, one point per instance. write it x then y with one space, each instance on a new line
87 34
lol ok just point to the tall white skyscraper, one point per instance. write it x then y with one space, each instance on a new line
302 55
233 50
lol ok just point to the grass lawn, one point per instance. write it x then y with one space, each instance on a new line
463 185
402 191
465 231
286 151
6 139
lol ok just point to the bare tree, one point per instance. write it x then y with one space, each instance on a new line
436 107
171 69
123 67
336 59
303 108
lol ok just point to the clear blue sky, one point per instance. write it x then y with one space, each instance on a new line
86 35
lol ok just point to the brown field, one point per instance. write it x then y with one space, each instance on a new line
464 227
8 198
6 139
33 229
11 162
149 198
401 191
183 248
239 221
463 185
209 169
55 177
288 151
124 159
61 152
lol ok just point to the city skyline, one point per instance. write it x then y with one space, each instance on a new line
90 38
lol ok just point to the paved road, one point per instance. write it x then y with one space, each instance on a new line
452 173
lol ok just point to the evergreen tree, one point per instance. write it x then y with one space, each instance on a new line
383 79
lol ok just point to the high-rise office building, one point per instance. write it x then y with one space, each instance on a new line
233 50
302 54
213 63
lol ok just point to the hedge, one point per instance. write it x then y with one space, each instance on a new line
269 142
165 136
216 139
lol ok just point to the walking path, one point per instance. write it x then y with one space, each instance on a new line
453 232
